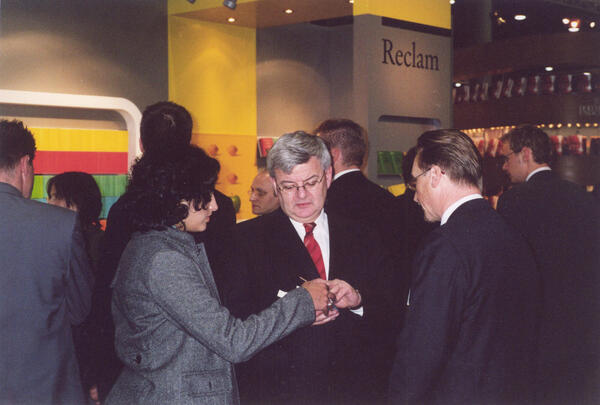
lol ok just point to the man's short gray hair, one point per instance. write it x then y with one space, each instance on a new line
295 149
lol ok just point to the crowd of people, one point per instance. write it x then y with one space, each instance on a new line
336 293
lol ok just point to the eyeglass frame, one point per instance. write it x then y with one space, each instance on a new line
289 189
505 157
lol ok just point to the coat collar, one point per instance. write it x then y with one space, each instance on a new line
9 189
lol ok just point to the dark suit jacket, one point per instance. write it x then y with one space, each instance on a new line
323 364
470 330
354 196
561 222
45 285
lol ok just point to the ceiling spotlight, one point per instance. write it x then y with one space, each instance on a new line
351 1
230 4
573 29
574 25
231 19
592 24
457 84
452 1
520 17
548 68
565 21
288 11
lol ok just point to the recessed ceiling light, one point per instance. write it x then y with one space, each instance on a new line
565 21
452 1
231 19
573 29
592 24
587 73
520 17
351 1
548 68
457 84
288 11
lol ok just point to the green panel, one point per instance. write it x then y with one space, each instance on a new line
38 187
111 185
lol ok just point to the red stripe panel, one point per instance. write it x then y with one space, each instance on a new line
53 162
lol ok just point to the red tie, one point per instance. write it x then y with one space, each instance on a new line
313 249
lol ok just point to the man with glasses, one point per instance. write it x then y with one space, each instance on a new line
262 196
469 335
561 222
325 365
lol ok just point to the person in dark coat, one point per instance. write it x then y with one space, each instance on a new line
561 222
329 364
45 283
473 309
79 192
353 195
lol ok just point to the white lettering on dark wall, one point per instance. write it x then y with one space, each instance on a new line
411 58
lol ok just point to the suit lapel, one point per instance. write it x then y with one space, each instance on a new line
292 257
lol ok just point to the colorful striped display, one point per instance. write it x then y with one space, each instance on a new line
102 153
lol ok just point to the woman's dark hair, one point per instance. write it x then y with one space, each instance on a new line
161 181
80 190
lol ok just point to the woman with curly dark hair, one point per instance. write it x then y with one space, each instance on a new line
176 341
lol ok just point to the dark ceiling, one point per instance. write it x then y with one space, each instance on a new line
477 21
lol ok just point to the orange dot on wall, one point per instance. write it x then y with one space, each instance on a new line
232 178
232 150
212 150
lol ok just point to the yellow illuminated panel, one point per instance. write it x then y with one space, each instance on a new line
429 12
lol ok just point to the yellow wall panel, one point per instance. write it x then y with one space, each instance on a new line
237 154
212 72
436 13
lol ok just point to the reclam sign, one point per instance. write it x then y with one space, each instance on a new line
409 58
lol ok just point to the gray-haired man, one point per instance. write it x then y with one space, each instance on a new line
328 364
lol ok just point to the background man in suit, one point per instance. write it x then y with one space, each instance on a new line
262 195
45 283
329 364
354 196
470 330
561 222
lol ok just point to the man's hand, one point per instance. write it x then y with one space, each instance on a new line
321 318
319 292
346 295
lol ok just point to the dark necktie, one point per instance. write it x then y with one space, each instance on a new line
313 249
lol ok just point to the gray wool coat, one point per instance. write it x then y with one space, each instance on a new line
175 339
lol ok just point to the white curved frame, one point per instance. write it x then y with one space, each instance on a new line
130 113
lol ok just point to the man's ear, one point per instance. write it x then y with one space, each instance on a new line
274 185
336 154
328 176
527 154
436 175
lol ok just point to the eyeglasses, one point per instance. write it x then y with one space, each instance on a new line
505 157
308 185
419 175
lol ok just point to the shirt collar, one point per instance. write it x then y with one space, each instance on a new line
457 204
321 222
340 174
539 169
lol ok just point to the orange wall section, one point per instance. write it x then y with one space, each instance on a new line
212 73
436 13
